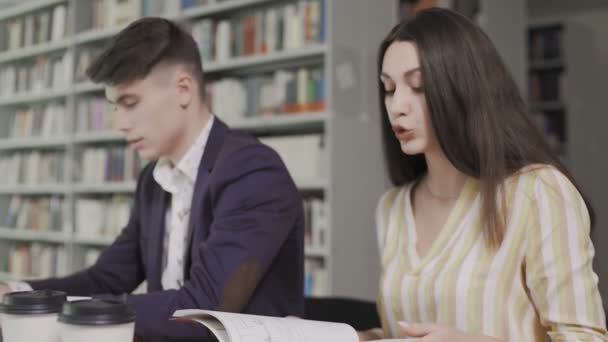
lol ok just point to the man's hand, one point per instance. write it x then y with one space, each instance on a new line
441 333
4 289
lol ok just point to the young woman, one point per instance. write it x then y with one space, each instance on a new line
485 236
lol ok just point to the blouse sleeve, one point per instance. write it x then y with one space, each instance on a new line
558 265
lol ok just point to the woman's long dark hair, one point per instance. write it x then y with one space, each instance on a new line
477 113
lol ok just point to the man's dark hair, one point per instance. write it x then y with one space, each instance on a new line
141 46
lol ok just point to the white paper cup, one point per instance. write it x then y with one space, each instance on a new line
96 320
80 333
31 316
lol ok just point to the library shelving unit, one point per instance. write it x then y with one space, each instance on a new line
560 70
547 77
54 119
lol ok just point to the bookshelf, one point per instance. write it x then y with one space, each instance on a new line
23 235
559 70
243 63
342 106
32 143
546 71
37 189
34 50
50 95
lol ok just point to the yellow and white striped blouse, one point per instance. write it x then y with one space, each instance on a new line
539 281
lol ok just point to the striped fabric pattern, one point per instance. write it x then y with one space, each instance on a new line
538 284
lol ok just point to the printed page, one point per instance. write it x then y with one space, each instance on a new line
231 327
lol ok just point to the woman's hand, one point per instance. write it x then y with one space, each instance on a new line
369 335
441 333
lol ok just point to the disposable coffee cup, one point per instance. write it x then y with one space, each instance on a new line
31 316
97 320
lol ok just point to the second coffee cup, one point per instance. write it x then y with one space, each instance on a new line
97 320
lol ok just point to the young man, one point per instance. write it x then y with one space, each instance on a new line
217 221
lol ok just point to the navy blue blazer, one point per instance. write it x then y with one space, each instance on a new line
246 243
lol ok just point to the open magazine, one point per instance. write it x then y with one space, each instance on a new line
233 327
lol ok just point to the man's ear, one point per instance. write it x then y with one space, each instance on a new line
185 89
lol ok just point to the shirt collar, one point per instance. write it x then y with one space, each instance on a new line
167 176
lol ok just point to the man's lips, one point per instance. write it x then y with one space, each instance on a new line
134 141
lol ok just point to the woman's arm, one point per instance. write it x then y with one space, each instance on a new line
558 264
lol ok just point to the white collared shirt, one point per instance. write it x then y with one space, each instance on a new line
179 181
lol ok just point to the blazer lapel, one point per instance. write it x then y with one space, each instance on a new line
212 149
157 236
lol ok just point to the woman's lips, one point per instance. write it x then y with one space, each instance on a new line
403 133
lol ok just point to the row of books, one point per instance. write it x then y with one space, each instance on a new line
185 4
33 260
282 91
316 223
545 43
40 27
288 26
32 213
32 167
316 278
116 163
304 155
163 8
111 13
90 256
119 163
233 99
94 113
546 86
409 8
106 217
44 73
102 217
85 57
36 121
38 260
315 274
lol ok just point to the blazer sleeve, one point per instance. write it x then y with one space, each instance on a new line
255 206
118 270
559 274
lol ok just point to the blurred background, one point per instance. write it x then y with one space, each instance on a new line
299 74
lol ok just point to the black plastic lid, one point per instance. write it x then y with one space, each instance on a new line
32 302
96 312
